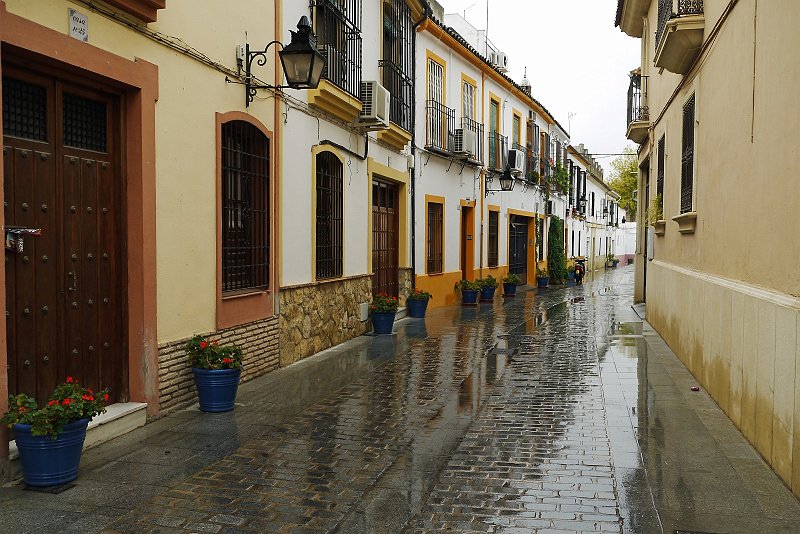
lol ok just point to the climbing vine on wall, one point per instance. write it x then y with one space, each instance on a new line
556 257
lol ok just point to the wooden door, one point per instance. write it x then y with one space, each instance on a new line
385 238
65 290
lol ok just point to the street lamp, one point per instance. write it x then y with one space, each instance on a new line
302 63
506 182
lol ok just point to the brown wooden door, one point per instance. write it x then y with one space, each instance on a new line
65 291
385 238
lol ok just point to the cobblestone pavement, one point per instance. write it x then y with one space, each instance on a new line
558 412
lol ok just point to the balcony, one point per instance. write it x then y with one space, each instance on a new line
630 16
498 152
638 112
440 124
532 166
469 142
679 35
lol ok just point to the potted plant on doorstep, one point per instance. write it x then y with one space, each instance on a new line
384 309
469 292
417 303
217 370
50 439
542 278
488 287
510 283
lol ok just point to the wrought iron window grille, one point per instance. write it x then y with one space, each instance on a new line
440 127
397 61
637 99
338 26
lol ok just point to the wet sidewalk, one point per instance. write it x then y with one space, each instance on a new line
557 412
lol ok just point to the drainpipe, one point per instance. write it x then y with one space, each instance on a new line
413 171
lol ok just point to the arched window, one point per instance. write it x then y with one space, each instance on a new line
330 204
245 207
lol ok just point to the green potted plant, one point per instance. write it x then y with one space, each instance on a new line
469 292
611 260
384 309
510 283
417 303
488 287
50 439
217 370
542 278
571 272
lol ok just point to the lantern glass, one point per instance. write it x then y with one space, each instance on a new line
507 182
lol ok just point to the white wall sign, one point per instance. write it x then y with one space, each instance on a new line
78 25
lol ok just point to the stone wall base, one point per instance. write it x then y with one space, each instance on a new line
318 316
258 340
404 284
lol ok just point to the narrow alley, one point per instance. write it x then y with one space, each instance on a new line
555 412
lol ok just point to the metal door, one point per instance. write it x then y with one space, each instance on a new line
518 247
385 238
65 289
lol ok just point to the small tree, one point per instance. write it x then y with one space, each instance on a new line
624 180
556 258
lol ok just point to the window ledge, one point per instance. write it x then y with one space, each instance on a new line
144 10
686 222
395 136
660 227
330 98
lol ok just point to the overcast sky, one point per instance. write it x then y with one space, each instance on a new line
577 61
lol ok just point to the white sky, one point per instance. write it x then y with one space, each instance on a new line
578 62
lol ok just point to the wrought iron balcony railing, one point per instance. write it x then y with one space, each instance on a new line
477 128
637 99
399 86
439 126
669 9
338 24
498 151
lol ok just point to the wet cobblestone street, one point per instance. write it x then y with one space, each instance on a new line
557 412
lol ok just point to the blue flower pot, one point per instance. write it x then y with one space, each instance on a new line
469 297
51 462
416 308
542 281
216 388
382 322
509 290
487 294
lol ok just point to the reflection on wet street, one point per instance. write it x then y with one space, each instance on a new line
556 412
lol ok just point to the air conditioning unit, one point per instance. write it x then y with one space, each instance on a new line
466 143
502 62
516 160
375 106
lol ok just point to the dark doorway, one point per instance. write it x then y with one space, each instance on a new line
385 238
518 247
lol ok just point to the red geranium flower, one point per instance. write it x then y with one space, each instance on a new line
203 344
70 380
227 360
88 398
105 397
67 401
52 403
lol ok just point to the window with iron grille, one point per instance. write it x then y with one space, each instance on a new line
338 28
330 216
245 207
435 253
396 65
494 228
662 143
687 157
